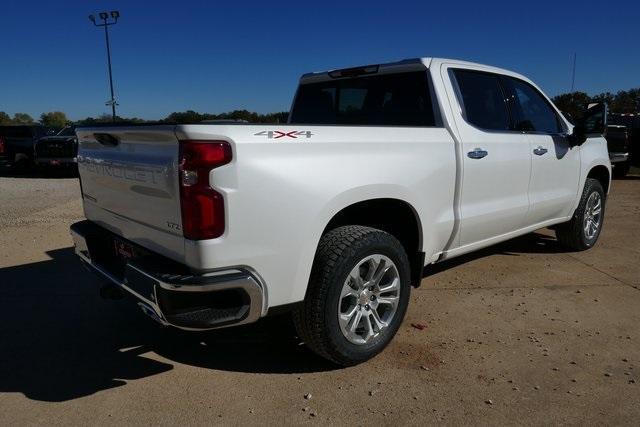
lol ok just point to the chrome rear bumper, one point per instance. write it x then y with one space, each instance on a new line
190 302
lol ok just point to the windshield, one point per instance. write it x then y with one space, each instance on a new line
67 131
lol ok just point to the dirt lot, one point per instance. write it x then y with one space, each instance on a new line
521 333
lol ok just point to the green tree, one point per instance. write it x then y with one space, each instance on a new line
191 116
54 119
5 119
626 101
106 118
188 116
22 119
573 103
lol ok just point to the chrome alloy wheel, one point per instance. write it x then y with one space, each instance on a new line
592 215
369 299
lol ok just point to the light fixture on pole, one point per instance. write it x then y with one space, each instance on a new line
106 23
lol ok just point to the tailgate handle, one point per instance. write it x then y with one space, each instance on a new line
106 139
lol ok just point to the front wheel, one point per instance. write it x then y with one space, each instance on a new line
357 297
584 228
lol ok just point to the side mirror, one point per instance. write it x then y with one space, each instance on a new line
593 122
578 136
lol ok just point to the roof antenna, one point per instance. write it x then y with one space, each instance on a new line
573 73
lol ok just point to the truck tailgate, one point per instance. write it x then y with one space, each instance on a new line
129 181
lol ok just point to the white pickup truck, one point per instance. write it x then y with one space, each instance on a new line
381 171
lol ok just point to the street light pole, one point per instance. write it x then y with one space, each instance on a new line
106 23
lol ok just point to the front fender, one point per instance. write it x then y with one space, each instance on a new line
593 153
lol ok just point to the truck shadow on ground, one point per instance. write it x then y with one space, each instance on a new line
533 243
60 341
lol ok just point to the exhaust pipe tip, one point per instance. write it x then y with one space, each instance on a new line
110 291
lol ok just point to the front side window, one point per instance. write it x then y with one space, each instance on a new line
482 100
401 99
533 111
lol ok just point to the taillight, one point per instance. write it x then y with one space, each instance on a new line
202 206
2 145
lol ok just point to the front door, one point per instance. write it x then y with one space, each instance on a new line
555 165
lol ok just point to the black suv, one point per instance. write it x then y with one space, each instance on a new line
60 150
632 123
617 137
17 145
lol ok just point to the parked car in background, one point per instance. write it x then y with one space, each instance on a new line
381 171
59 151
617 137
17 145
632 122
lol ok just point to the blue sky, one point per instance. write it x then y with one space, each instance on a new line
213 57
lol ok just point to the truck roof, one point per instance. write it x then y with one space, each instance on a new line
411 64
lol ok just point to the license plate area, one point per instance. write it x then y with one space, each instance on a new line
123 250
125 262
113 253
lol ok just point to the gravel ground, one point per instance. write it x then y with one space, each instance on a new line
520 333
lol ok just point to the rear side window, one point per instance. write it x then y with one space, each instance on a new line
401 99
482 100
533 112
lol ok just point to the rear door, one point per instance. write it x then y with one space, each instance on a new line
129 181
555 166
496 160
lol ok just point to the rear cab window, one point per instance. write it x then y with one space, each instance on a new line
400 99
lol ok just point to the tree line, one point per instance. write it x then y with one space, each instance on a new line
573 103
58 119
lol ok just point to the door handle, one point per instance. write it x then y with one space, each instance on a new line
540 151
477 153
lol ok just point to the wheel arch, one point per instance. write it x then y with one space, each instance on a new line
395 216
602 174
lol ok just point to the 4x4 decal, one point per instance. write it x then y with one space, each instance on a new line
277 134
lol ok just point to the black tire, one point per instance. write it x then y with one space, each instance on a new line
316 319
572 234
620 170
21 166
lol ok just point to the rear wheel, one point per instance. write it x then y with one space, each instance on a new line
357 296
21 164
583 230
